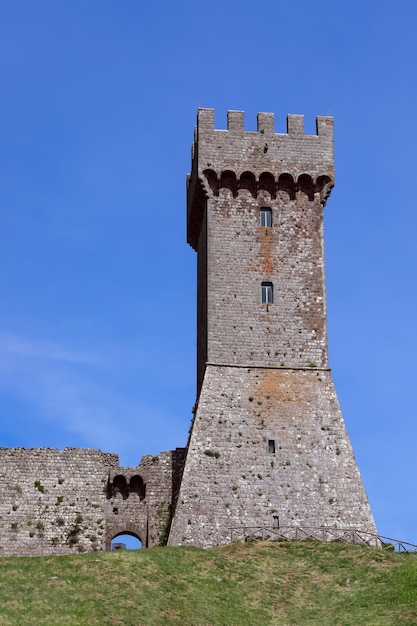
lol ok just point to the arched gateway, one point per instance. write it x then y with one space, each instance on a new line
126 529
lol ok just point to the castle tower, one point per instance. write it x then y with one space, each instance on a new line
268 445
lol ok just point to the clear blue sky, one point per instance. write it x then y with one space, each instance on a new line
98 105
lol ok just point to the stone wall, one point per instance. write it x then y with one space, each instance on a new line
61 501
143 507
233 479
291 331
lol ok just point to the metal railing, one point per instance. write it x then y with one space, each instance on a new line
319 533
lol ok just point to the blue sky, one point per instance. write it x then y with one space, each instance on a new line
97 322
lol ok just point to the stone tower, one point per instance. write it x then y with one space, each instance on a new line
268 446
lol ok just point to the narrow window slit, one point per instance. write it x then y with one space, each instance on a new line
267 293
265 215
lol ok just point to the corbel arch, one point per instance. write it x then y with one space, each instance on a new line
119 485
212 180
137 485
267 183
228 181
324 186
286 184
305 185
248 181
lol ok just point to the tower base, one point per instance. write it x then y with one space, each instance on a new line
268 447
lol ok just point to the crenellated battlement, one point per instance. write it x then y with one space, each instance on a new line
292 152
257 162
265 124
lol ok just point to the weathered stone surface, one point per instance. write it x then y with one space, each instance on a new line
268 444
58 501
263 378
232 480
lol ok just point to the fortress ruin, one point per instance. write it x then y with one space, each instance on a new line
268 444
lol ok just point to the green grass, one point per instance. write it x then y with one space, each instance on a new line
283 584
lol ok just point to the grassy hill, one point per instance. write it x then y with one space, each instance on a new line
264 583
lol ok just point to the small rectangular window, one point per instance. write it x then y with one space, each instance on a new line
267 293
275 521
266 217
271 446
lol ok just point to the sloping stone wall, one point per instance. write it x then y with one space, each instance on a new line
232 479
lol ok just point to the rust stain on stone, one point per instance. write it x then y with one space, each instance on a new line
268 259
287 392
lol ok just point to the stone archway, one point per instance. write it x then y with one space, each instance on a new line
126 529
126 541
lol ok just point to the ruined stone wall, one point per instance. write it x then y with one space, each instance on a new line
144 512
52 501
61 501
